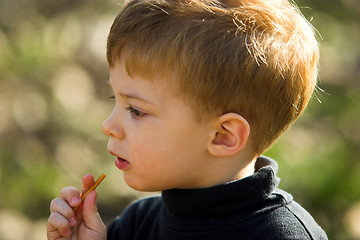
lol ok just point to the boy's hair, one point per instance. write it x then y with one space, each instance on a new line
257 58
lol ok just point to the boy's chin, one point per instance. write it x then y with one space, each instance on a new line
138 185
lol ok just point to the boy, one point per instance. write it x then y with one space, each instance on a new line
202 88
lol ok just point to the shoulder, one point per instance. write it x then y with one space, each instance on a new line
303 218
292 221
139 213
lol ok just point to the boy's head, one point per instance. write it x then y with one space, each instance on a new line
256 58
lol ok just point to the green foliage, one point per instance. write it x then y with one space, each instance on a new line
53 101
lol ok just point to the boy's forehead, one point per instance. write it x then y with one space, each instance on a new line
129 83
146 71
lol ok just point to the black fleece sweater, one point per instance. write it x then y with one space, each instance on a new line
250 208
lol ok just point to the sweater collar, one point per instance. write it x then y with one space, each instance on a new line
225 198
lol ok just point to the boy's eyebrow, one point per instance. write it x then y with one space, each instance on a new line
131 95
134 96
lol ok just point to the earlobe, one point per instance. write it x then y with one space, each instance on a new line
231 135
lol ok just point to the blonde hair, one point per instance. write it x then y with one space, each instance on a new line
257 58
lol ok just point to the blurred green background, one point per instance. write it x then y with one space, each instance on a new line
53 100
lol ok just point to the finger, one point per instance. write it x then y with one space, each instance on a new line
53 235
71 196
88 181
57 226
62 207
91 216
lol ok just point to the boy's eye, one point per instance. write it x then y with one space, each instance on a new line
135 112
111 97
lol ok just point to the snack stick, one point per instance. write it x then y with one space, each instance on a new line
96 183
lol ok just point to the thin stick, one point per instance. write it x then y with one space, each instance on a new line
96 183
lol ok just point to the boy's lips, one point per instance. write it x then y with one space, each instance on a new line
120 163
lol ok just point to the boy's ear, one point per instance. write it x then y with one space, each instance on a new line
231 135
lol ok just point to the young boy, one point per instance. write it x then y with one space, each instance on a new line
202 88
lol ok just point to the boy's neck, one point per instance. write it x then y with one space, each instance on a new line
245 168
231 170
248 170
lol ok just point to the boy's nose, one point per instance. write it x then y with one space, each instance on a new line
112 127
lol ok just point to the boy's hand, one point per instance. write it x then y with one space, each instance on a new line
85 223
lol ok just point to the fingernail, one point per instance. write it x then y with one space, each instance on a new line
75 201
72 222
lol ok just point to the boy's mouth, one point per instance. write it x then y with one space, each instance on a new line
121 163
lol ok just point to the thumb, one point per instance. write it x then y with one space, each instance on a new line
91 217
